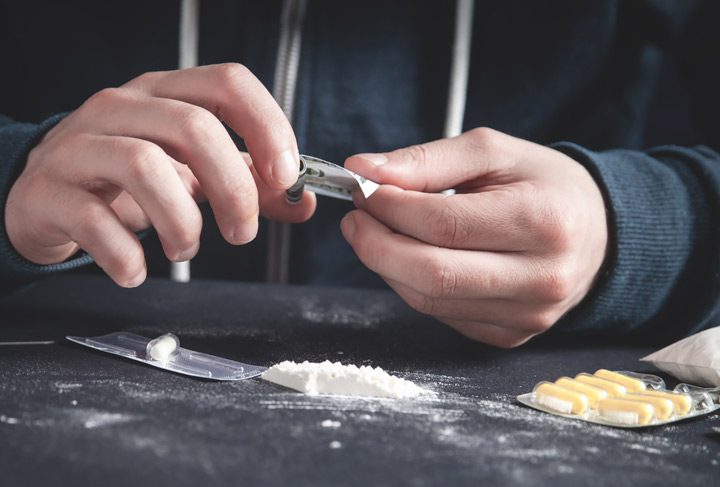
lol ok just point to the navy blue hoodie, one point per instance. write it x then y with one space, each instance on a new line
580 75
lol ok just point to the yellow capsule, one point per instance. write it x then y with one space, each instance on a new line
593 393
630 383
560 399
663 407
626 411
682 402
612 388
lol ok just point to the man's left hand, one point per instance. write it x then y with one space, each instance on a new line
503 259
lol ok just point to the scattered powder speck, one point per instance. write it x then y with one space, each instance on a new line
99 419
329 423
70 418
334 445
8 419
646 449
63 387
317 311
74 417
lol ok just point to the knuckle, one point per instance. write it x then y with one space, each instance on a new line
105 97
187 236
483 136
230 74
489 146
62 153
129 261
242 201
441 280
33 186
556 285
448 226
125 265
87 222
196 126
417 153
554 226
144 161
145 80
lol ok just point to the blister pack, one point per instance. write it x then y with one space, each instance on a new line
165 352
621 399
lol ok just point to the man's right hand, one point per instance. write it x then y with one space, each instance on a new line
143 154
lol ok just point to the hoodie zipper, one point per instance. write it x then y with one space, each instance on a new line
284 84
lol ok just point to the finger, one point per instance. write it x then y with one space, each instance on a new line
505 313
130 213
195 137
480 155
274 204
491 220
190 181
490 334
234 95
88 220
436 271
146 172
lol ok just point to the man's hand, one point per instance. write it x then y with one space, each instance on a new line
143 154
502 260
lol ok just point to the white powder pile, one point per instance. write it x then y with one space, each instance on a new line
335 378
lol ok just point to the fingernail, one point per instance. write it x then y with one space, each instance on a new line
285 170
348 226
189 253
244 232
374 159
137 280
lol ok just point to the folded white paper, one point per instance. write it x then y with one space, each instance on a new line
695 359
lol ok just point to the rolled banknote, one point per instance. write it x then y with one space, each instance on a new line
328 179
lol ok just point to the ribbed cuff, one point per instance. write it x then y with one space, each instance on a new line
16 141
657 216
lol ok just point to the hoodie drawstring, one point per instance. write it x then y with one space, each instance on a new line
288 60
286 71
460 68
187 58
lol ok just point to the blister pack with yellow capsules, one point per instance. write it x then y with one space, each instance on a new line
621 399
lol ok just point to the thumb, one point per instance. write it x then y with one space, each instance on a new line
440 164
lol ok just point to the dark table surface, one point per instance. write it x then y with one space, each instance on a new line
72 416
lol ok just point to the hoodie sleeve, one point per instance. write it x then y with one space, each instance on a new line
662 274
16 141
